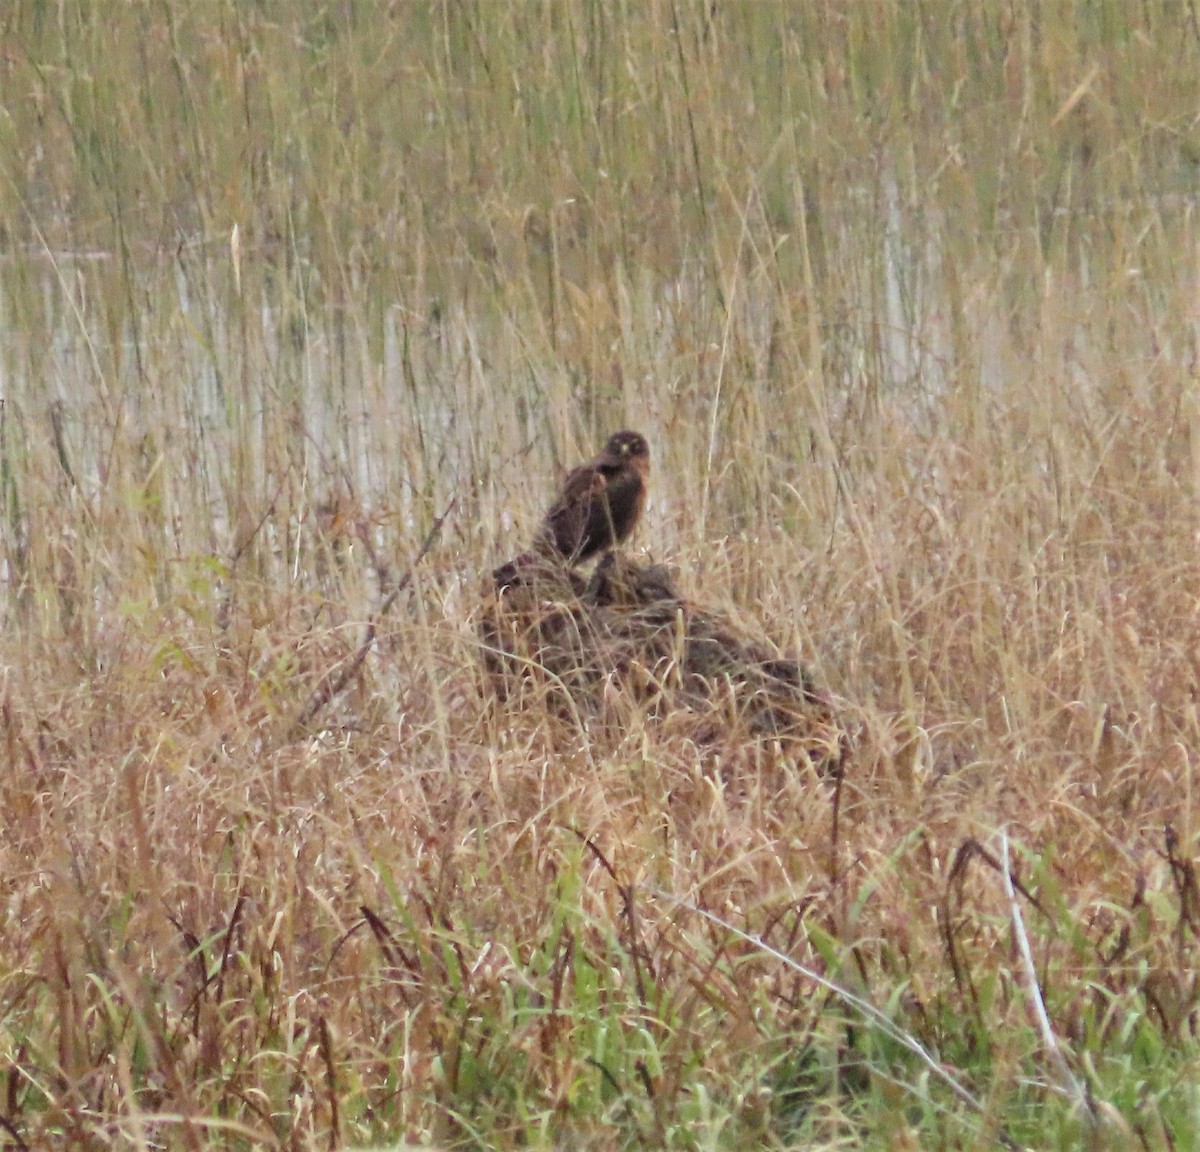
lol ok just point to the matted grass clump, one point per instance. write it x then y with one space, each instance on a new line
627 635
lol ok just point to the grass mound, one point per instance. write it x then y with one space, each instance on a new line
629 637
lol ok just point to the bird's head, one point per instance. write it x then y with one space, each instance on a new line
626 445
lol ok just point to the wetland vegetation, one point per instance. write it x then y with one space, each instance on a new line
304 310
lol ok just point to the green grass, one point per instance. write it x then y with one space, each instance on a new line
302 303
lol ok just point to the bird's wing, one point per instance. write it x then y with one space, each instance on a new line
567 521
582 484
623 502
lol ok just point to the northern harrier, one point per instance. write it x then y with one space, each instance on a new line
601 501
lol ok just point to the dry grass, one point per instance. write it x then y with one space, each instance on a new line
304 304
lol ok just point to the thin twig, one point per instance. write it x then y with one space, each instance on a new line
325 1040
626 891
864 1008
1033 992
333 686
839 896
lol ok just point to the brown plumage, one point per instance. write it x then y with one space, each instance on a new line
601 501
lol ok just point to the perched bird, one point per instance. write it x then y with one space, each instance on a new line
600 503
